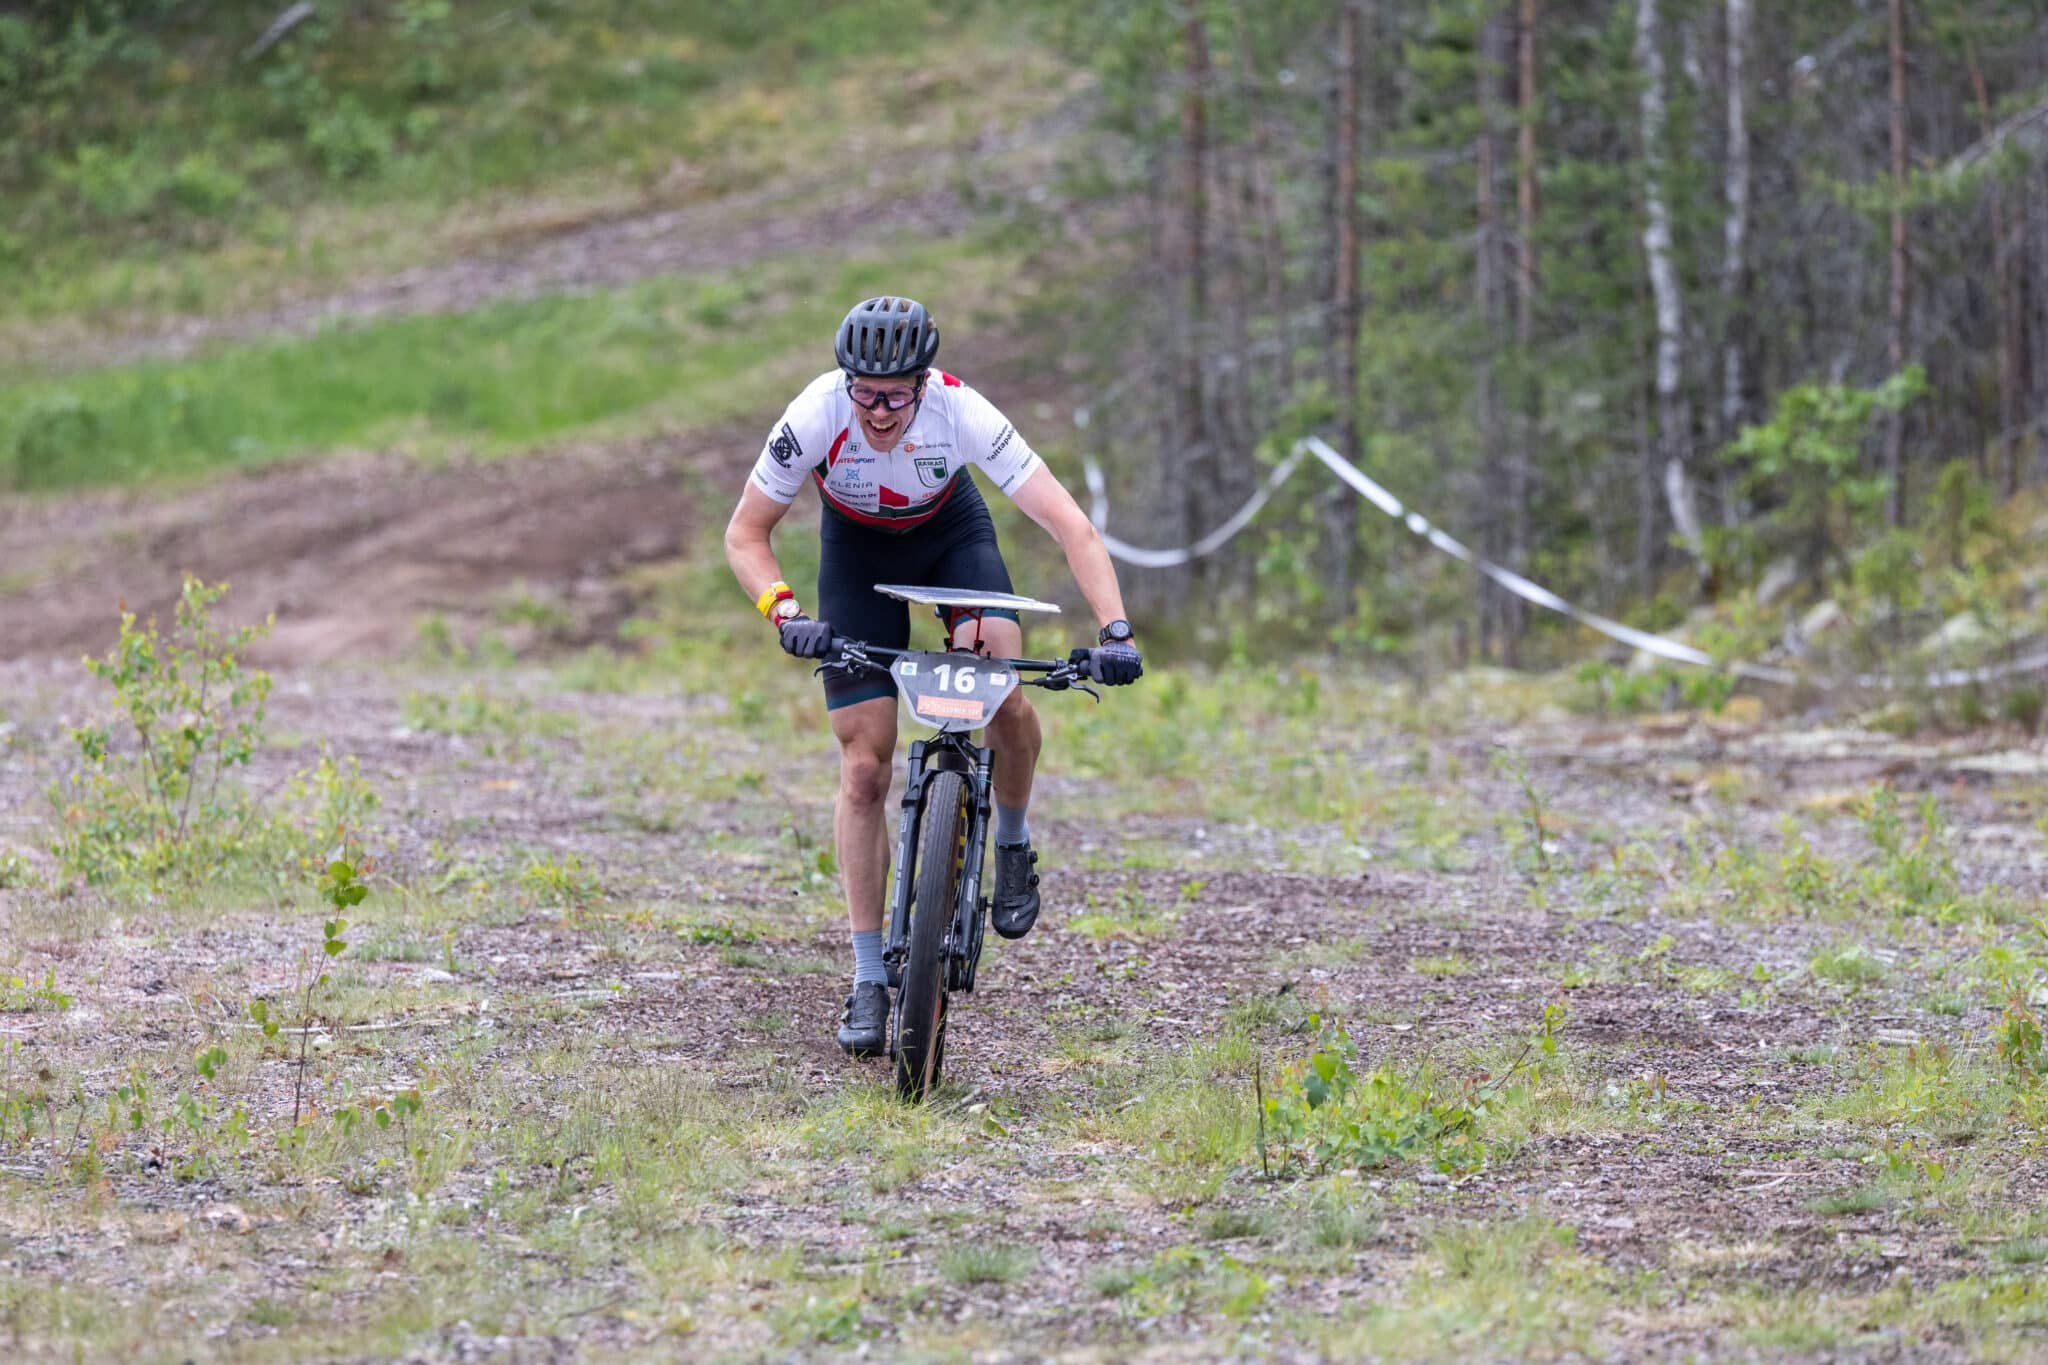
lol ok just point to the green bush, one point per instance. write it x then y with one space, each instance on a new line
201 185
155 805
57 434
1805 464
2023 707
156 799
348 141
110 185
426 33
1325 1113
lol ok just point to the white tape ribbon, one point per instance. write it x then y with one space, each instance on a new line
1365 487
1209 544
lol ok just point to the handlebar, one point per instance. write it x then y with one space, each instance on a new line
1060 674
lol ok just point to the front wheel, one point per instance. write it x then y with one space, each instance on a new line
921 1004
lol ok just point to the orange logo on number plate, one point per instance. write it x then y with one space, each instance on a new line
949 708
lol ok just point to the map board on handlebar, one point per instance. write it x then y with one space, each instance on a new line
955 690
964 598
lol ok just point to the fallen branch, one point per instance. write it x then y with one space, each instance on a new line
2028 129
280 28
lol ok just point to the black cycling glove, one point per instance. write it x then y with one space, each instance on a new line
805 638
1115 664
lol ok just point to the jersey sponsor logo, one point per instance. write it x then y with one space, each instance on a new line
1001 441
907 447
785 447
931 470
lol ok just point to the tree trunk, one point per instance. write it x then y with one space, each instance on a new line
1646 500
1895 422
1340 505
1197 460
1674 413
1735 227
2011 321
1489 287
1530 423
1272 243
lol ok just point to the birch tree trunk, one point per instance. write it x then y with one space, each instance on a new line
1895 423
1735 227
1674 414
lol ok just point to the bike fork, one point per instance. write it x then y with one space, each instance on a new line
970 913
978 764
897 943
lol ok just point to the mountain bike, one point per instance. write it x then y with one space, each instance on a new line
937 913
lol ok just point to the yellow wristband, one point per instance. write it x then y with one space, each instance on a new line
774 593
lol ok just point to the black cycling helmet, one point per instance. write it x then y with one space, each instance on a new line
885 338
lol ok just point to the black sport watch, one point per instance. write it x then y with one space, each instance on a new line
1116 632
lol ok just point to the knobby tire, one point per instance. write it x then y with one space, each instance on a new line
921 1032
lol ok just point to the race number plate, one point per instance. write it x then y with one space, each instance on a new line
954 691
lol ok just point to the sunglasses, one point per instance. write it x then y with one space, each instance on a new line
869 397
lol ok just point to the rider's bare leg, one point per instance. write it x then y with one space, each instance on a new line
866 732
1013 732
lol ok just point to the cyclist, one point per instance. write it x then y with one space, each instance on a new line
887 440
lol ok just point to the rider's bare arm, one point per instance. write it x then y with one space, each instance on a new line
746 540
1046 501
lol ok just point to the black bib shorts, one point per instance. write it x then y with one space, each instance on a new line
955 549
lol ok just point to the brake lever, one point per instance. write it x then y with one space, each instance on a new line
850 660
1068 677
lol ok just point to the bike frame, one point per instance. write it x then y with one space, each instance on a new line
954 751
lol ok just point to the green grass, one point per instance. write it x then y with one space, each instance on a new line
983 1263
503 378
1862 1199
1851 965
1515 1289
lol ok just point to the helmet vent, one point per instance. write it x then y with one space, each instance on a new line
887 336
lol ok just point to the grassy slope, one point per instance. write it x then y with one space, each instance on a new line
501 378
761 111
561 108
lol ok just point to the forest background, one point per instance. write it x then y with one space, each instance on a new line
1716 317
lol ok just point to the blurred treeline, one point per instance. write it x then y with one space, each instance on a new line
1643 297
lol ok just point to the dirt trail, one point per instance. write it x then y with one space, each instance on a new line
350 552
552 250
1680 1147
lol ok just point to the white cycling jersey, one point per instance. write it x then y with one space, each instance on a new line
897 489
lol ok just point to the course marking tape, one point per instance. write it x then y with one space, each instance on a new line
1660 646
